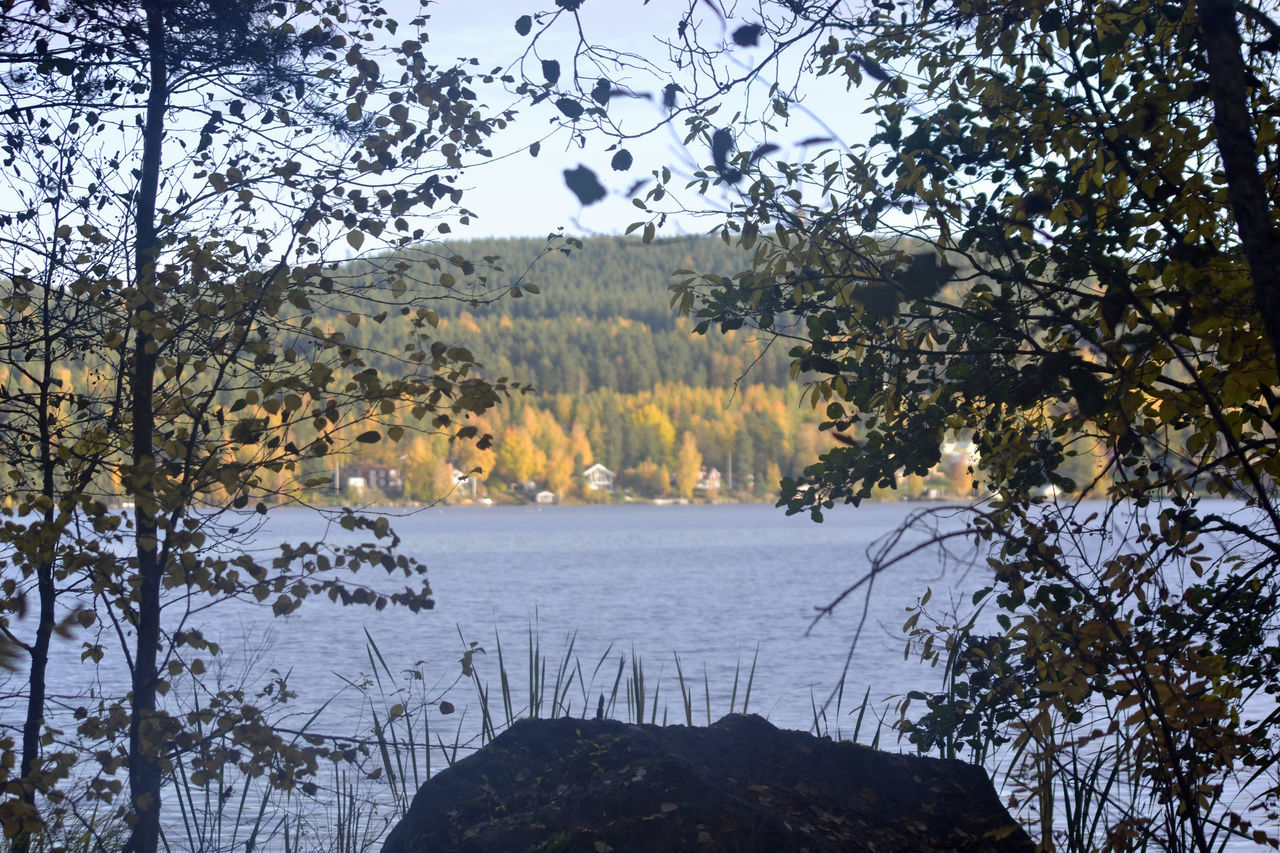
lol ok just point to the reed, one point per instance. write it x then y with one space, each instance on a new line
1070 795
415 730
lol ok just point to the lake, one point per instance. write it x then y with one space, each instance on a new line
715 585
711 584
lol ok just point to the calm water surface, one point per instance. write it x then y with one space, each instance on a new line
715 585
708 583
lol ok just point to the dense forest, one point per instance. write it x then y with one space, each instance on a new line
615 377
604 370
618 377
571 318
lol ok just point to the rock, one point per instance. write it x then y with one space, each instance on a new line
741 784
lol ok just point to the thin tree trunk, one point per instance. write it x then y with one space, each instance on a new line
37 687
45 560
145 730
33 725
1246 191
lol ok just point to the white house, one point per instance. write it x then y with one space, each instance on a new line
599 478
709 480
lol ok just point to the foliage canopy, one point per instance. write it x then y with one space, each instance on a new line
184 177
1061 237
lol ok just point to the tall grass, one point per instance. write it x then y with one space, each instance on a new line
416 727
616 685
1066 794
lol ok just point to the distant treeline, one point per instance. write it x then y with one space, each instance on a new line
616 377
657 442
619 378
598 316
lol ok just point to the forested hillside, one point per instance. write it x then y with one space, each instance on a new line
596 316
613 376
617 379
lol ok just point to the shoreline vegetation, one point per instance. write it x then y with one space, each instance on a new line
416 723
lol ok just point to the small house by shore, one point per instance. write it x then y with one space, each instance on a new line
598 478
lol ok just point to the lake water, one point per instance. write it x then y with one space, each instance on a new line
711 584
715 585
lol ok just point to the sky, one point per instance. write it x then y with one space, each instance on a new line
518 195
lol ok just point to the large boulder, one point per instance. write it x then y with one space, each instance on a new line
741 784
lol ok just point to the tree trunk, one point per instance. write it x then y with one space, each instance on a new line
145 729
1246 190
45 560
33 724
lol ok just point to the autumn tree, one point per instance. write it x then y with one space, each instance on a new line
519 459
59 435
688 465
1059 238
427 473
186 174
652 435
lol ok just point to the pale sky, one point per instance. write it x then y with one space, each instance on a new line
518 195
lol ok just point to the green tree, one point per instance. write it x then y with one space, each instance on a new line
187 173
1060 238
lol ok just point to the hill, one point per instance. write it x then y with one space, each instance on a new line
574 319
